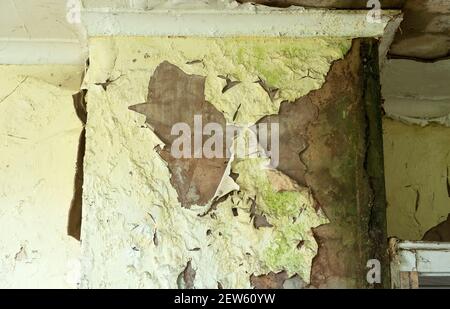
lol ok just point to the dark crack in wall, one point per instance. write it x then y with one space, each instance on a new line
75 212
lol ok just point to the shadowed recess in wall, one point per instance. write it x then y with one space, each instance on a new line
175 97
75 212
270 281
440 232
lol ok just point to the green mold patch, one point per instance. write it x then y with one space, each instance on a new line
294 66
289 209
276 204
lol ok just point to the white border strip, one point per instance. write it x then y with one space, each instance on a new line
291 22
41 52
424 257
424 245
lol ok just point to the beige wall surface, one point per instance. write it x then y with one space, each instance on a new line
39 134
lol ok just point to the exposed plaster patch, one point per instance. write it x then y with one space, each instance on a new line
293 119
177 98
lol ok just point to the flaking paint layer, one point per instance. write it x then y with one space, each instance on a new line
135 233
293 66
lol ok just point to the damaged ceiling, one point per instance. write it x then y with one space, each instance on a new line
425 31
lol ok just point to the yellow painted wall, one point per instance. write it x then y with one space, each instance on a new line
39 134
417 160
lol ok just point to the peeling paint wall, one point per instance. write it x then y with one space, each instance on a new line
39 134
417 162
135 232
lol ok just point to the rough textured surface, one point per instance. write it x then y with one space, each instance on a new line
417 188
38 144
131 211
423 34
289 210
294 66
354 131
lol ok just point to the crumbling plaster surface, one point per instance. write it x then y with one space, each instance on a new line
38 144
134 232
279 62
417 167
416 92
425 31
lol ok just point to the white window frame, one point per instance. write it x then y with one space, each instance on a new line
411 259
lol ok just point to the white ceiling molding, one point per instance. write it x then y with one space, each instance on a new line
242 20
41 52
40 33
